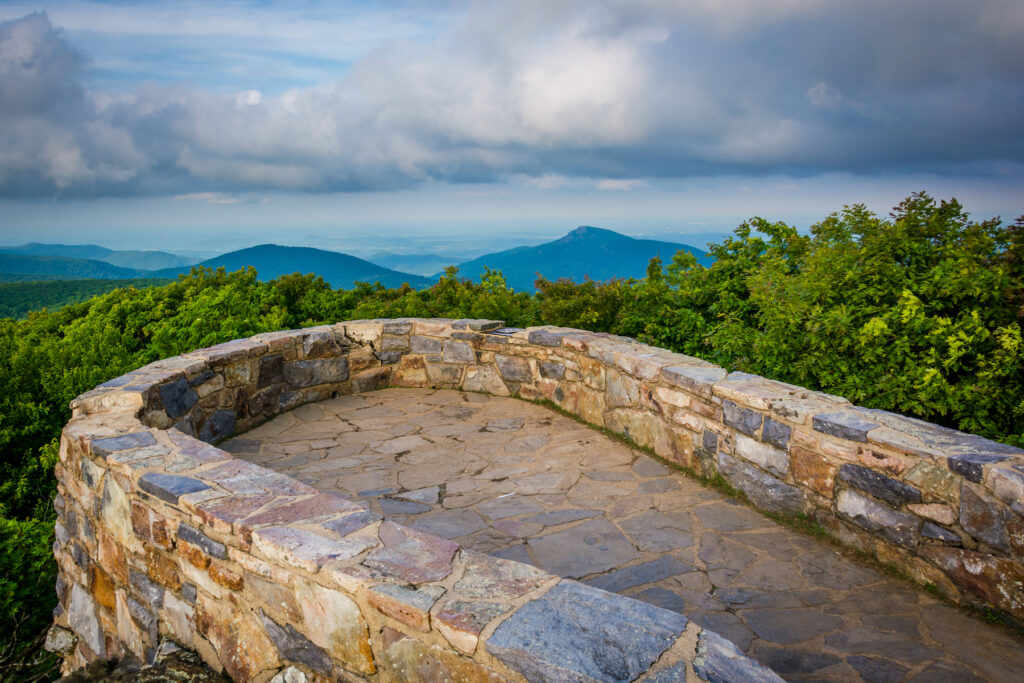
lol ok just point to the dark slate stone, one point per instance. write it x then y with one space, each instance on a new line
719 661
877 670
178 398
578 633
218 426
709 440
388 357
467 336
122 443
505 331
776 433
389 506
561 517
663 598
899 527
890 490
198 538
764 490
168 487
308 373
969 465
551 370
639 574
296 647
343 526
271 370
985 520
79 555
935 532
150 593
188 591
397 327
787 661
786 626
741 419
845 424
673 674
545 338
202 378
59 506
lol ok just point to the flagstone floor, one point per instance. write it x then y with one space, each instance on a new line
519 481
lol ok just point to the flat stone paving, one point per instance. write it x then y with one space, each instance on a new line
519 481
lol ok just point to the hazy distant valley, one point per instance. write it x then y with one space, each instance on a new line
586 252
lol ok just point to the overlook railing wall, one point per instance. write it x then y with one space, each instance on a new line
162 534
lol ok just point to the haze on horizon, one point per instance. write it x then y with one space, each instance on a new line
356 125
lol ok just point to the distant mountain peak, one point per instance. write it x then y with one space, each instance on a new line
587 232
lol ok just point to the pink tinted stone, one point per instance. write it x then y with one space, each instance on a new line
491 578
304 510
222 513
461 621
304 549
412 555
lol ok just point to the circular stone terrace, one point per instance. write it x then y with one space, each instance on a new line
520 481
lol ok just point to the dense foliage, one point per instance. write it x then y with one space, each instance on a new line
18 298
919 313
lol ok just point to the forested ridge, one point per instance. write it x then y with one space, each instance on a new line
919 312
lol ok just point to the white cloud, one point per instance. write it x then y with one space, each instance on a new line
208 197
620 184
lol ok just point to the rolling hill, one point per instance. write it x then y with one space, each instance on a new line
339 270
18 298
136 260
421 264
63 268
585 252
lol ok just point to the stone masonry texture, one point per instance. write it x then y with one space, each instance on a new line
426 533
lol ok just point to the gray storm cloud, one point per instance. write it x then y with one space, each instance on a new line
579 89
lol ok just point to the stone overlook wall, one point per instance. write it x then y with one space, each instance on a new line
161 534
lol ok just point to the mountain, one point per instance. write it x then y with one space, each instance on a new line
63 268
585 252
272 260
420 264
137 260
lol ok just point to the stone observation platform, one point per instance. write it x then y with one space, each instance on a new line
381 508
519 481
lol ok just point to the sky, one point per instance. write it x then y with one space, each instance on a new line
462 125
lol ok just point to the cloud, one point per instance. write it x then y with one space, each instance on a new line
620 184
208 197
554 93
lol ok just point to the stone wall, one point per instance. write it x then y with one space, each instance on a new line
162 534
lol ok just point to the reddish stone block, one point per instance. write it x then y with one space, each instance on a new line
103 589
226 577
222 513
304 510
411 555
1000 581
812 470
140 521
193 555
162 569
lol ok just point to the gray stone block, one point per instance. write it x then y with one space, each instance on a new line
719 661
83 620
578 633
420 344
845 424
218 426
890 490
169 487
696 378
271 371
898 527
178 398
513 369
639 574
740 418
937 533
551 370
985 520
776 433
198 538
296 647
308 373
764 490
150 593
124 442
458 352
970 465
388 357
546 338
